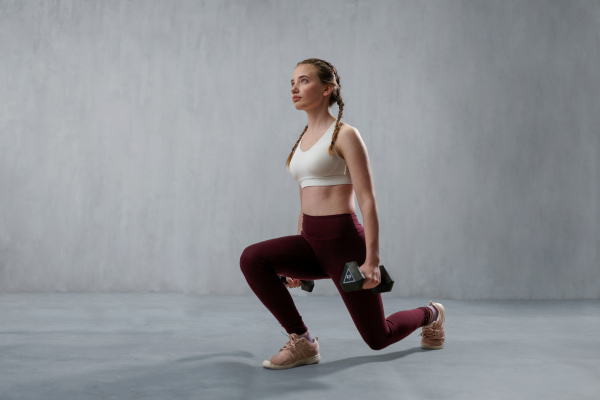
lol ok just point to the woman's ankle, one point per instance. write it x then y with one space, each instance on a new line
434 314
307 336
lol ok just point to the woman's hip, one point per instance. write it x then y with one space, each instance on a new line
323 227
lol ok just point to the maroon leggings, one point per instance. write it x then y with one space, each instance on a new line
325 245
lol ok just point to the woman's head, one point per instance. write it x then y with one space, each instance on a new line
316 82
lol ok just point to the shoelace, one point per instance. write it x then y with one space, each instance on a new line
430 333
290 344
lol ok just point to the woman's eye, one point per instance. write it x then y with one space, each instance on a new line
302 81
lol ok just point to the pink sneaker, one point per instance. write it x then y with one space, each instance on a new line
433 334
297 351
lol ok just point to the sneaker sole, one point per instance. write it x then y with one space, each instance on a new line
430 347
304 361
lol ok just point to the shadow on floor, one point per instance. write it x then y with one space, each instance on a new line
345 363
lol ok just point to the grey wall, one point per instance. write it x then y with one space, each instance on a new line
142 143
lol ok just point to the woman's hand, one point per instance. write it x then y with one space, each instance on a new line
292 283
372 275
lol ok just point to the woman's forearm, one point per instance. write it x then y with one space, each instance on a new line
371 225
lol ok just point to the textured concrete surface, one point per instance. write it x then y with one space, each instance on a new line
173 346
143 142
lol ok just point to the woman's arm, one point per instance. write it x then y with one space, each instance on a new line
300 217
371 221
351 146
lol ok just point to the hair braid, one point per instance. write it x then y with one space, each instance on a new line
337 96
338 123
287 164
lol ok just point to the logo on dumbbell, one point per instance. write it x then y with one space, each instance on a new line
348 278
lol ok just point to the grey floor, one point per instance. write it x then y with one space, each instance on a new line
176 346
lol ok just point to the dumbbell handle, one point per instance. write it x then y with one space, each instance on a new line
307 286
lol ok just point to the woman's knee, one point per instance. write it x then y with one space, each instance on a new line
374 341
376 344
250 258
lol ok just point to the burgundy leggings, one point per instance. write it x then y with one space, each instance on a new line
325 245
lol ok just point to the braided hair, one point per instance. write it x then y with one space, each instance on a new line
327 75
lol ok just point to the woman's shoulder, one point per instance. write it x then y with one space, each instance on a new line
348 131
348 138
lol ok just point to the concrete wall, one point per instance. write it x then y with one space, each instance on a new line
142 143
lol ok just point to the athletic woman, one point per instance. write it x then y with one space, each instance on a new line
330 163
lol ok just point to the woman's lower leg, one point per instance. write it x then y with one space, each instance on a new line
267 286
366 310
261 263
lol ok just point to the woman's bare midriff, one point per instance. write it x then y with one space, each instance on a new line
328 200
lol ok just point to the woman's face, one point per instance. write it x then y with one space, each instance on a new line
307 90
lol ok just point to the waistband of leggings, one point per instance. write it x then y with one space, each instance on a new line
330 226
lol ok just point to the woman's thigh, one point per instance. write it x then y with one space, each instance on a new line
333 254
290 256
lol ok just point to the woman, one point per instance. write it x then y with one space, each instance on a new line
330 163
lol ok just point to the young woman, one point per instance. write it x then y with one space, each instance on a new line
330 163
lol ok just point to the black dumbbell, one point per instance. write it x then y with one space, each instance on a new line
353 279
307 286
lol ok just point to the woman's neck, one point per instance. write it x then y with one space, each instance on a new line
318 121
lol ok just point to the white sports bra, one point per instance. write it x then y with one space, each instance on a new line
316 167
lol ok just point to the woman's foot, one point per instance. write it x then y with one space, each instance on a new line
297 351
433 334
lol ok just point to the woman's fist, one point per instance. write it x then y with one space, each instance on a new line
372 275
292 283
